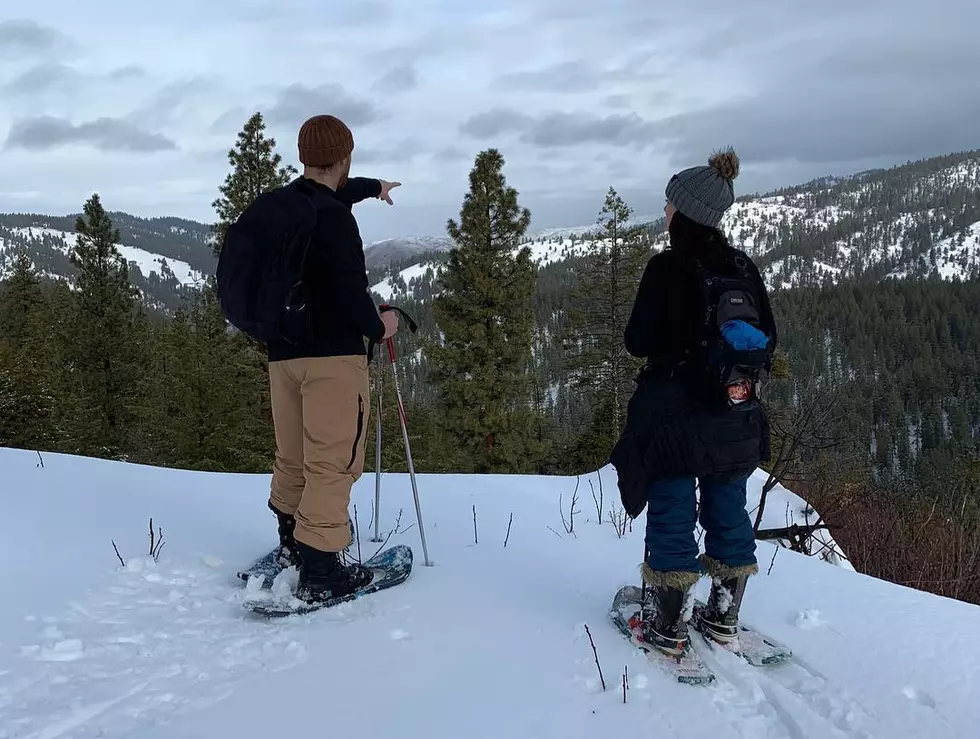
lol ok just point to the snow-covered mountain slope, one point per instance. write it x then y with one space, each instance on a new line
557 233
544 250
912 221
145 262
490 641
158 276
382 253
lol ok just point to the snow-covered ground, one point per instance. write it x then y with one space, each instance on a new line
388 288
488 642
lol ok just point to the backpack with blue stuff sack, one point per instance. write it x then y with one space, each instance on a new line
735 353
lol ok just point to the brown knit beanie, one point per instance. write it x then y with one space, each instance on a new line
324 140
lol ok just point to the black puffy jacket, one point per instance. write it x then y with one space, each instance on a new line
669 431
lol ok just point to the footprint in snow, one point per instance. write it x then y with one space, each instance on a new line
919 696
67 650
810 619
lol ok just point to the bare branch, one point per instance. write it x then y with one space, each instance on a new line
572 510
597 501
395 528
596 654
775 551
156 543
117 553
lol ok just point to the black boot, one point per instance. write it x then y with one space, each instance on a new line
719 620
664 609
286 556
322 575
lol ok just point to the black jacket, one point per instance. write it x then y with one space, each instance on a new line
343 313
670 431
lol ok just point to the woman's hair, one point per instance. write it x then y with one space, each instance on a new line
684 232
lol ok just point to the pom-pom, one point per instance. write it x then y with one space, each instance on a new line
726 162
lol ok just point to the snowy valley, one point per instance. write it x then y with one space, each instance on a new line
489 641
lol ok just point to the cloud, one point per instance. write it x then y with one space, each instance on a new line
568 77
401 152
20 37
617 101
492 123
890 96
42 78
577 95
559 129
297 102
174 101
397 79
105 134
65 79
127 72
451 154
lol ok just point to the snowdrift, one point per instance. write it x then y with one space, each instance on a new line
487 642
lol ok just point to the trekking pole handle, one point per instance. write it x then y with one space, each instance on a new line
412 325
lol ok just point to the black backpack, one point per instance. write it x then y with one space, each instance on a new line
262 263
735 354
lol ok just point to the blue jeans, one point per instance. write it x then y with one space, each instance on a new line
672 516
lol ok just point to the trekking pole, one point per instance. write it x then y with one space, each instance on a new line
390 343
377 464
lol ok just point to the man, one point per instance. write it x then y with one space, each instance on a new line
320 388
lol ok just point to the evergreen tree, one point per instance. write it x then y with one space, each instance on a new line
21 297
256 168
27 417
103 346
607 279
485 316
208 396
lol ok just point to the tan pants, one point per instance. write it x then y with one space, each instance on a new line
320 407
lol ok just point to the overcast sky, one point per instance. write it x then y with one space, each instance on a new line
142 103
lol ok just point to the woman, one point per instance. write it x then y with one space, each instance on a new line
690 419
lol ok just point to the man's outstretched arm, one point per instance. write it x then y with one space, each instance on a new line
357 189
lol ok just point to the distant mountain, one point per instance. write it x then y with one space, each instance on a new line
402 248
911 221
915 220
166 255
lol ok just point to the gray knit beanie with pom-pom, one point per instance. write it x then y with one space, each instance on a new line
704 193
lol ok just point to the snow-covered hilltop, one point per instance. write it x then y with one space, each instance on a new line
165 254
490 641
384 252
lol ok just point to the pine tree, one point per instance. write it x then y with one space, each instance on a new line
485 316
21 296
256 168
207 409
103 347
27 418
607 280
